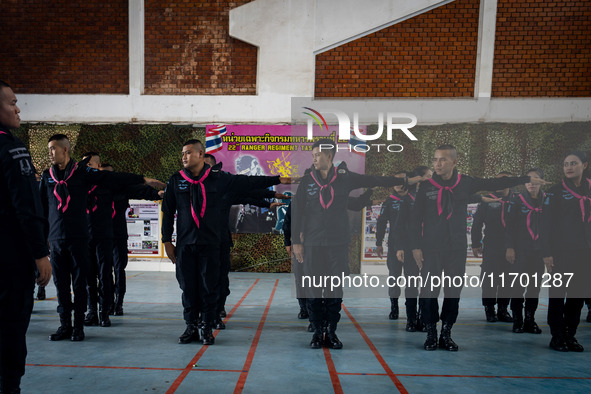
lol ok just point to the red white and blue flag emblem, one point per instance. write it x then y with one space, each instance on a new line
213 138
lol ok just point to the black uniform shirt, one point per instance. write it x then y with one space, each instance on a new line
177 198
73 224
565 225
396 210
319 209
21 216
524 222
100 212
439 223
493 217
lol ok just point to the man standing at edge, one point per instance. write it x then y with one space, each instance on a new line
22 240
438 226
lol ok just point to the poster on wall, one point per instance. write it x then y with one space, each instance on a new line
266 150
143 227
368 243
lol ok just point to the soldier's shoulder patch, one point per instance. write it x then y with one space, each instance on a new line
22 155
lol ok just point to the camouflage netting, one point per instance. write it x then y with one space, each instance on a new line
484 150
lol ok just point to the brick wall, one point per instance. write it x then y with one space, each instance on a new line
543 48
61 46
189 50
430 55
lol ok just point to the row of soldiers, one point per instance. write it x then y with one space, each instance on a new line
525 234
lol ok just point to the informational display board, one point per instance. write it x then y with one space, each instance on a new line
143 226
368 244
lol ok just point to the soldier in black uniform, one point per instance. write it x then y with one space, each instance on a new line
259 198
566 249
396 210
195 193
22 240
100 227
354 204
493 217
121 198
319 217
524 253
439 233
64 191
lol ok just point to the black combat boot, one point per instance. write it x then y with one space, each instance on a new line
191 334
303 309
558 343
104 320
91 318
394 312
445 341
118 308
41 293
529 324
64 331
223 313
431 341
491 315
219 324
503 315
411 318
518 321
331 339
78 331
317 337
571 342
207 334
421 325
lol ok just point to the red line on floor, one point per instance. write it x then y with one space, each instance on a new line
334 376
377 354
492 376
255 343
363 374
175 385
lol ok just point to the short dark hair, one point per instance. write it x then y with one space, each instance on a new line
580 154
4 84
449 147
58 137
195 142
90 154
210 156
62 139
326 141
537 171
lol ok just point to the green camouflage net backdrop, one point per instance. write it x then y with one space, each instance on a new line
484 150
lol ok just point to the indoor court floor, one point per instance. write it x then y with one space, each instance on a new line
264 348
